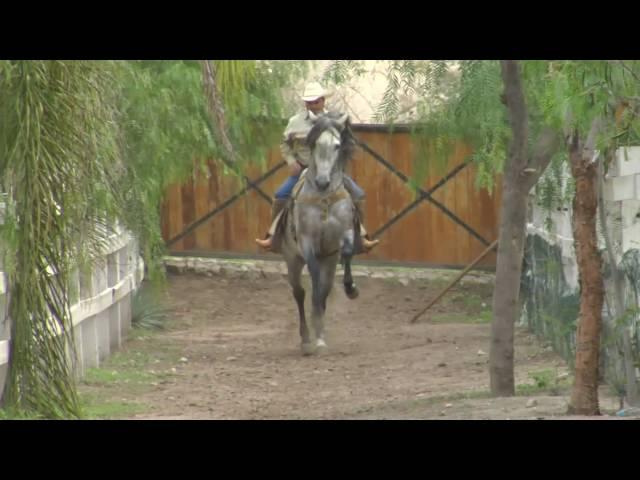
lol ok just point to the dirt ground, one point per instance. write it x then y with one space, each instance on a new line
231 350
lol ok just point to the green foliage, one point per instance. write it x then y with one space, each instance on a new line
99 376
13 414
544 381
467 110
165 130
254 109
569 95
462 102
148 310
93 407
86 144
168 134
59 147
555 188
544 378
340 71
575 99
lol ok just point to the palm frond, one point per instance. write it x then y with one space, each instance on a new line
56 155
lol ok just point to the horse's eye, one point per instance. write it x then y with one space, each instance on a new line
337 147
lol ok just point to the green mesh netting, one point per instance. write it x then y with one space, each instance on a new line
551 306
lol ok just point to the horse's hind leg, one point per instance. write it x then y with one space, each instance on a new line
295 267
347 255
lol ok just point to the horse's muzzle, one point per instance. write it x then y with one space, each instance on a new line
322 183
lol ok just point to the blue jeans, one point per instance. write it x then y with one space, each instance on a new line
286 188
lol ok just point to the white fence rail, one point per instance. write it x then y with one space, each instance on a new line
101 306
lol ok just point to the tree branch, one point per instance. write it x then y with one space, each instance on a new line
547 143
567 128
215 107
596 127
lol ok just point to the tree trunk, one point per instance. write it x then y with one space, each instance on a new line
520 174
511 240
584 396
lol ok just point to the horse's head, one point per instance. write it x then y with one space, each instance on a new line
331 144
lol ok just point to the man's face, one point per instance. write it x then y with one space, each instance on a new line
316 106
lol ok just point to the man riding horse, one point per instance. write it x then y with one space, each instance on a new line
296 153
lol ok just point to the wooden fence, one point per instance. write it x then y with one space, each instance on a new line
448 223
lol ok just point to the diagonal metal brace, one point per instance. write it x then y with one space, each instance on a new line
250 184
423 195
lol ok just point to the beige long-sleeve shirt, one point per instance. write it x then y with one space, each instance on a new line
293 146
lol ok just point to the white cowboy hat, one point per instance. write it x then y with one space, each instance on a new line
314 91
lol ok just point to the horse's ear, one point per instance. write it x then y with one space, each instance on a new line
343 120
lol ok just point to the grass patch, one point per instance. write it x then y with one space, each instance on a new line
437 282
128 373
6 414
471 301
481 318
132 368
544 381
101 376
93 408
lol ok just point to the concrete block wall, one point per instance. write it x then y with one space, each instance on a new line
559 232
101 305
622 200
622 212
621 203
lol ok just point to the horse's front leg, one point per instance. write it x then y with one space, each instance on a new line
322 273
294 269
327 275
347 255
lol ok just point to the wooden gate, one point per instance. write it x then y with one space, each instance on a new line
448 223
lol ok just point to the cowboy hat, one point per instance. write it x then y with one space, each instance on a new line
314 91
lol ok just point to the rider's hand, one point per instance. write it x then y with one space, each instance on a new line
295 169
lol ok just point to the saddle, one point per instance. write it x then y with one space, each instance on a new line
284 219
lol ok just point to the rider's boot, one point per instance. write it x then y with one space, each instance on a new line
276 207
367 243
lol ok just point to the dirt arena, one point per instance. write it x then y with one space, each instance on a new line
231 350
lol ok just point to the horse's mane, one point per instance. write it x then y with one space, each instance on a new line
347 140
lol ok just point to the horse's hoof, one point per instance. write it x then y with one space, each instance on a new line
308 349
352 293
321 346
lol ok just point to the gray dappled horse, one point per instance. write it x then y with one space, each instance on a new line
319 228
